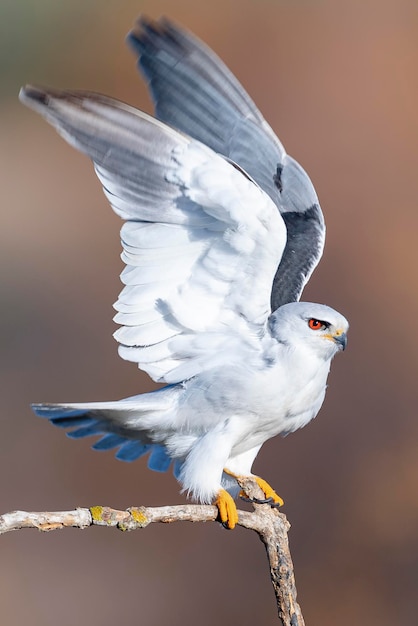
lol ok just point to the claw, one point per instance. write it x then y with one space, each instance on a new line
271 496
269 500
228 513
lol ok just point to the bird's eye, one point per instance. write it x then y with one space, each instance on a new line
317 324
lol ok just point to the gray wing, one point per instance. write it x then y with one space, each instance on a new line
201 241
195 92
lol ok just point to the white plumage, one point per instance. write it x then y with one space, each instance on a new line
212 247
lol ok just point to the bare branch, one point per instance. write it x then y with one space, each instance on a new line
267 522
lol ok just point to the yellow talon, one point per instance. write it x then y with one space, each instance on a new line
268 491
264 486
228 513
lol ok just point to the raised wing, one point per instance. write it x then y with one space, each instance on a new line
201 242
195 92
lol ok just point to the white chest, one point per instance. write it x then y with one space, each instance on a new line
257 402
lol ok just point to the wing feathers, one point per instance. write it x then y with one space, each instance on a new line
195 92
202 241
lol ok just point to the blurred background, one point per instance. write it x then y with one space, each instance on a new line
338 82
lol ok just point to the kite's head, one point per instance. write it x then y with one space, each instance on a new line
318 326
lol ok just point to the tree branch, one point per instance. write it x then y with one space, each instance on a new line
271 526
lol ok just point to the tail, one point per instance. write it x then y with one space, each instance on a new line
130 425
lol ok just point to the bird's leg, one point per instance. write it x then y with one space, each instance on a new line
271 497
228 513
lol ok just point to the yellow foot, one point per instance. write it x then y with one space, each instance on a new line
228 513
269 491
271 497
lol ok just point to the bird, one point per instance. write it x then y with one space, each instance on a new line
221 231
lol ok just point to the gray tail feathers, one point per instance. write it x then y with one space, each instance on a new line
117 425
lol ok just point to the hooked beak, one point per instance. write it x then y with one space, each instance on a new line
341 339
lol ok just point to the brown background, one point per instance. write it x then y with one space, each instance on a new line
337 80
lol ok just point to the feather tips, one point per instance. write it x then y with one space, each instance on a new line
202 241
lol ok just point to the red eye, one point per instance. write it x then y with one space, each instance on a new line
315 324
